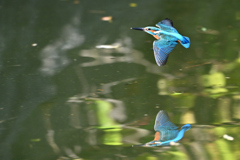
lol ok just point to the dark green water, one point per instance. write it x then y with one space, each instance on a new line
62 98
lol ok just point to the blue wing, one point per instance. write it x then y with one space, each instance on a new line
166 28
162 48
167 129
162 121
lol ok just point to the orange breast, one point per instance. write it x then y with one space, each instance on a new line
156 36
157 136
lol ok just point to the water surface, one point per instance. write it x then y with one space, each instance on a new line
63 98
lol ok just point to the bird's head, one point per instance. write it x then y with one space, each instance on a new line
154 31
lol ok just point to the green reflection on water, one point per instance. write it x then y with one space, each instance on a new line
112 135
50 66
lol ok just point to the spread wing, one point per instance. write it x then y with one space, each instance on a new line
162 48
162 122
166 28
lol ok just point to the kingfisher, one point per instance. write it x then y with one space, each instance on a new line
167 38
167 133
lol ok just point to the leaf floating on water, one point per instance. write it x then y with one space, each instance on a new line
107 46
36 140
205 30
107 18
133 4
175 94
227 137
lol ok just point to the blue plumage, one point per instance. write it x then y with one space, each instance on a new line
162 121
168 132
167 38
161 51
186 42
167 129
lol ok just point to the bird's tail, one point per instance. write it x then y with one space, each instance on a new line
185 42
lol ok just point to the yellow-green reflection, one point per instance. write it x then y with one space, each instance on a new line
110 127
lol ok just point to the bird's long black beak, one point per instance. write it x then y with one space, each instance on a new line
138 28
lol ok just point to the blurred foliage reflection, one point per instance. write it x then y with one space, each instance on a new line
77 83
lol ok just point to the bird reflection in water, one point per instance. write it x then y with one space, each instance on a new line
167 133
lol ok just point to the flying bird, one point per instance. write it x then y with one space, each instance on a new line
167 38
167 133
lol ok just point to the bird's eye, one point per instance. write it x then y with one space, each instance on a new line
149 29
